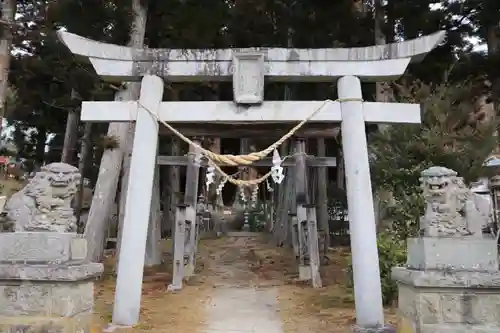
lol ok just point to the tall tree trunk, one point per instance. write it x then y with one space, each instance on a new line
340 179
359 8
137 33
493 39
383 33
122 199
41 140
493 43
8 10
382 88
70 137
85 155
111 162
106 186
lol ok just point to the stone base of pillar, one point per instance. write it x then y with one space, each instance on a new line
45 286
111 328
454 299
381 329
304 273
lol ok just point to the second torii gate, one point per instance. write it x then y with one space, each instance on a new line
248 68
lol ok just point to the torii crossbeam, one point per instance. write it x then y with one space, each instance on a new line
372 63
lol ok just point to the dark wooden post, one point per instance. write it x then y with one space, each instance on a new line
192 176
300 202
312 233
301 172
190 200
178 253
293 220
245 149
322 195
171 188
284 195
306 221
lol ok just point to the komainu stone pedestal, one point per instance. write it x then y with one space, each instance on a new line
45 283
450 285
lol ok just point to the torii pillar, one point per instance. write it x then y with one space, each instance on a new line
382 63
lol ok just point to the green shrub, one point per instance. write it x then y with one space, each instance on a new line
391 252
259 216
404 212
448 137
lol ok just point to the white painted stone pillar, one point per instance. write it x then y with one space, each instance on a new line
367 287
137 210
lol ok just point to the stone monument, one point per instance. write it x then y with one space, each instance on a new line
451 282
46 282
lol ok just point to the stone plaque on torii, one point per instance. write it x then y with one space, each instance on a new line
248 68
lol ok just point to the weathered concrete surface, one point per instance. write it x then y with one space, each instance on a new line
362 230
76 324
51 299
42 247
243 310
448 300
381 62
137 213
446 279
50 272
45 286
383 329
269 112
428 253
64 307
450 310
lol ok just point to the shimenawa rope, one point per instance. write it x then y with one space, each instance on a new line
248 159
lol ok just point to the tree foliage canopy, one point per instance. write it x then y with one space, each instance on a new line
449 136
49 82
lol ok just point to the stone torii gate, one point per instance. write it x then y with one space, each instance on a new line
248 68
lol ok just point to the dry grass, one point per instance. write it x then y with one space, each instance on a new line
9 186
304 309
160 311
